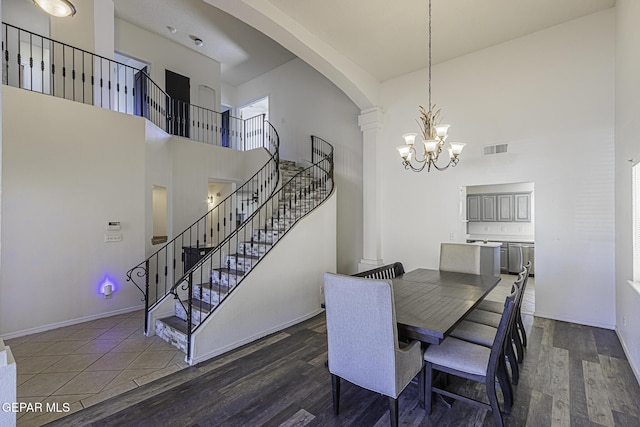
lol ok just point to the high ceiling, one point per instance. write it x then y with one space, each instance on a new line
380 39
244 53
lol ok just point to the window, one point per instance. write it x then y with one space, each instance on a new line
636 222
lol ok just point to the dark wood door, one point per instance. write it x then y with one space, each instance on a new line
179 90
140 101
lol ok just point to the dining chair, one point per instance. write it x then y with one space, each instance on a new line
497 307
363 345
492 318
460 258
475 362
483 334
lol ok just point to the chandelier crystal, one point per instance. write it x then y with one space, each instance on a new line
434 135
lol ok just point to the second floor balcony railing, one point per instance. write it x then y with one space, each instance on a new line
37 63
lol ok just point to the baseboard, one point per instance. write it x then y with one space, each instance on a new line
571 320
70 322
254 337
634 368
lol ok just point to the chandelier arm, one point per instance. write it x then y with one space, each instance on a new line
443 167
408 165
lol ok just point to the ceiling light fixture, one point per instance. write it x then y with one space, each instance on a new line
58 8
433 134
196 40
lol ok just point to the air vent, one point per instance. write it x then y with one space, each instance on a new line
489 150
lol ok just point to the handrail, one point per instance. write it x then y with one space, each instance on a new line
295 199
38 63
54 68
168 266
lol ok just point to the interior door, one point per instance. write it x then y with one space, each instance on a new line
140 105
178 88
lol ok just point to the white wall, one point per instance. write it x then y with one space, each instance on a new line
627 95
194 164
302 103
164 54
271 299
64 179
550 96
26 15
68 169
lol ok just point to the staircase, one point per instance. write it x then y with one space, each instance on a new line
215 277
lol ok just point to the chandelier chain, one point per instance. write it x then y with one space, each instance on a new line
430 57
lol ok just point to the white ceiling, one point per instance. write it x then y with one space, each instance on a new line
385 38
244 53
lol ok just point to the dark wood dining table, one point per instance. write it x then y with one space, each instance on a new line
431 303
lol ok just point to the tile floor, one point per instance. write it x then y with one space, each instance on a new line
83 364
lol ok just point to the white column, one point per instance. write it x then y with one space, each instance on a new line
371 123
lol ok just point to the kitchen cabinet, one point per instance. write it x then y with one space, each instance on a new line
500 207
522 207
489 208
505 207
473 208
504 258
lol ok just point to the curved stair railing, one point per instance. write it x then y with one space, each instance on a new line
158 275
37 63
212 279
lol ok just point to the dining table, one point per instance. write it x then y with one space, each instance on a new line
431 303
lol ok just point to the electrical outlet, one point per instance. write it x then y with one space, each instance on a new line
112 238
624 320
452 236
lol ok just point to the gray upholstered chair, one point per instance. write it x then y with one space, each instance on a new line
363 340
460 258
475 362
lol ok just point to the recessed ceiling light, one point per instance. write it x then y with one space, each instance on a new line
196 40
171 29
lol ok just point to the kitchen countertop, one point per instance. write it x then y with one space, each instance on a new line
501 238
488 244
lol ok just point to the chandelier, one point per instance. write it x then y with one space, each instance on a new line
433 135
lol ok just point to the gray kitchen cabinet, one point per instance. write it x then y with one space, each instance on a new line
473 208
504 258
489 208
505 207
522 207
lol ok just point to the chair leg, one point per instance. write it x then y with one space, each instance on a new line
428 387
493 400
505 385
515 335
393 411
523 333
421 385
515 369
335 388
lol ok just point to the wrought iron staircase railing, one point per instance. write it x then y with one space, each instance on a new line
219 272
156 276
40 64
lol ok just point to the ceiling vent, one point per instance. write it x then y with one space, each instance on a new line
489 150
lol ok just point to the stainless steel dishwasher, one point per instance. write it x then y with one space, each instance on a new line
519 255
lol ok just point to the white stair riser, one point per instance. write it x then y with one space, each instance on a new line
257 249
226 280
172 336
210 296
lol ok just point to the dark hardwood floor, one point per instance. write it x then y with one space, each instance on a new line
572 375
